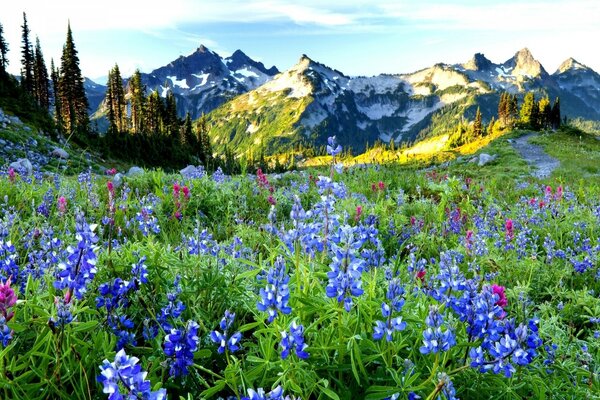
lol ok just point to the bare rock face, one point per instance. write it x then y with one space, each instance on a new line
524 65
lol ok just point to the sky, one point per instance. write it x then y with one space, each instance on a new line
357 37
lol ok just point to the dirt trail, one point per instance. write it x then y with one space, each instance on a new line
535 156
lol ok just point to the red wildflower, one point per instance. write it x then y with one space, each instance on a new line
8 298
509 229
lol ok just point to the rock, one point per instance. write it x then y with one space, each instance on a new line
32 142
133 171
22 166
59 153
28 129
117 180
2 142
485 158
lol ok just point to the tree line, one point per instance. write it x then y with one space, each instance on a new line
532 114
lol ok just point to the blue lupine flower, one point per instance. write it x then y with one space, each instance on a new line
333 149
259 394
124 379
434 340
294 339
173 309
79 268
346 267
5 332
180 345
275 296
447 386
147 222
225 342
389 326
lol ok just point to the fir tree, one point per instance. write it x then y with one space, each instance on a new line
171 120
55 95
503 109
544 113
74 104
490 127
137 99
117 99
555 114
153 114
529 110
477 125
512 110
109 104
203 142
40 77
187 137
3 52
27 82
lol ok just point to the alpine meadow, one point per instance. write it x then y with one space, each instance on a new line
330 227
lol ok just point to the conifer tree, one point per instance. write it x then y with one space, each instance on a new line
3 52
117 99
490 127
477 125
544 112
187 133
203 140
527 114
40 78
27 82
512 109
74 104
171 120
503 109
55 95
137 99
109 104
555 114
153 114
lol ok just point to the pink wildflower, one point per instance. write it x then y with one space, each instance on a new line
8 298
509 229
499 290
11 175
62 204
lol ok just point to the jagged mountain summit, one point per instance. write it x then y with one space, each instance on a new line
203 80
311 101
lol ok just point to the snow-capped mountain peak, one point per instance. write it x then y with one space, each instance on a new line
570 64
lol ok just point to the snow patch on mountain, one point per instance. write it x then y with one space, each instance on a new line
377 111
182 83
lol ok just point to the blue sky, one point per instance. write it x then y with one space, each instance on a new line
357 37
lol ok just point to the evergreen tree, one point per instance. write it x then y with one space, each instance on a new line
512 110
529 111
55 95
40 77
187 137
109 104
27 82
3 52
74 104
153 114
117 99
503 109
171 120
490 127
545 111
203 142
136 101
555 114
477 125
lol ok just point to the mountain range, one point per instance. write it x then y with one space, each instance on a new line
254 109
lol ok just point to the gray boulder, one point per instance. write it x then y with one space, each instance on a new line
22 166
59 153
117 180
133 171
485 158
